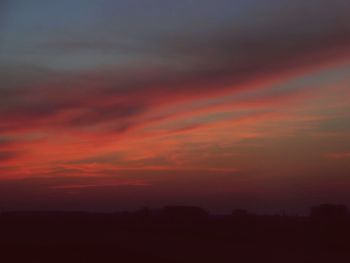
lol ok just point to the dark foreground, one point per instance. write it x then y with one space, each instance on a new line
175 234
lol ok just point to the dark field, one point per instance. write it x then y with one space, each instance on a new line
175 234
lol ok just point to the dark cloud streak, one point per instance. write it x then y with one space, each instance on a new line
298 37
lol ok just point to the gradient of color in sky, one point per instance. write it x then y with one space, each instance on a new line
110 105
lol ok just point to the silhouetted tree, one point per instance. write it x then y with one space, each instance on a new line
184 213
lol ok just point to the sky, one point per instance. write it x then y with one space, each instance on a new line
108 105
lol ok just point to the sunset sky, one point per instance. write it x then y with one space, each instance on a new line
119 104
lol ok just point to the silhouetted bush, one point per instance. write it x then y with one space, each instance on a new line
329 212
